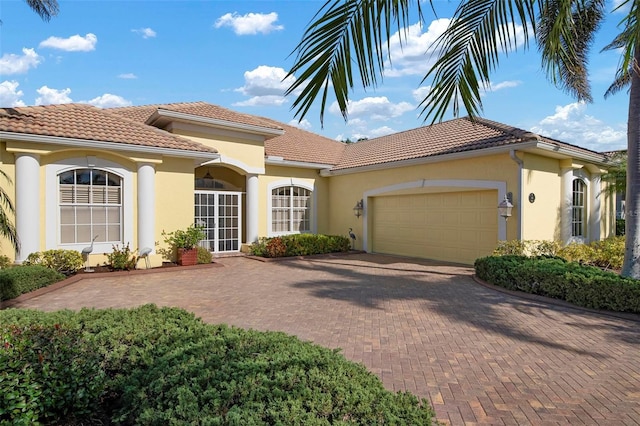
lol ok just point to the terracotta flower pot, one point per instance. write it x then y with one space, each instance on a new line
187 257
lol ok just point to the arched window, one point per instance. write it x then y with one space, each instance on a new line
90 202
290 210
578 209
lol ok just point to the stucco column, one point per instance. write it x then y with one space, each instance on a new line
27 204
146 206
594 202
252 208
566 203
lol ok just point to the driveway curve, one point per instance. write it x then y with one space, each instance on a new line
479 356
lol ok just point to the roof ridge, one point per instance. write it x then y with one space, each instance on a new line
511 130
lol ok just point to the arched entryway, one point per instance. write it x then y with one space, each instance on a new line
218 208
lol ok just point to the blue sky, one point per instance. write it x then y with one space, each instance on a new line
235 54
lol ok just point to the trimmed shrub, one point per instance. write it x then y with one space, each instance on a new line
5 262
164 366
64 261
204 255
581 285
121 259
23 279
300 245
49 373
527 248
620 227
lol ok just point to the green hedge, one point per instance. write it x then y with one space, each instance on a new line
23 279
300 245
164 366
581 285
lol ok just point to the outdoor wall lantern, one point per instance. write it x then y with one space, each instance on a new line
358 209
504 208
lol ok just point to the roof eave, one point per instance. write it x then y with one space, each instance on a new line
112 146
160 117
280 161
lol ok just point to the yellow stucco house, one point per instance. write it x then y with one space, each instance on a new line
126 174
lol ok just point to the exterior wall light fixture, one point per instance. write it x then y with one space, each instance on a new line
504 208
358 209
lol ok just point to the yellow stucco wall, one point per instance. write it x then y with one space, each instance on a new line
346 190
7 165
541 177
248 151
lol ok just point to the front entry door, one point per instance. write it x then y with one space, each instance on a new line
220 215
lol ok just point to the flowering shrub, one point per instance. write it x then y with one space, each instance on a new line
300 245
64 261
122 259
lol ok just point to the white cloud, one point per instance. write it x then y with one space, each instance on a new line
571 124
109 101
381 131
50 96
145 32
503 85
250 24
266 85
373 108
10 63
412 52
128 76
75 43
304 124
10 95
421 93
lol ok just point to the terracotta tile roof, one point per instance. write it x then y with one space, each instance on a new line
81 121
300 145
201 109
458 135
295 145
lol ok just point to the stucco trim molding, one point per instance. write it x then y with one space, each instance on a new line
236 164
500 186
292 182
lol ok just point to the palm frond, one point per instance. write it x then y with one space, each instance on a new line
622 81
342 32
565 34
480 31
7 228
45 8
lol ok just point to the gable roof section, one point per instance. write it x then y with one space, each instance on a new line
88 123
144 113
294 145
449 137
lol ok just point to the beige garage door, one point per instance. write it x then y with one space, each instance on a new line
451 226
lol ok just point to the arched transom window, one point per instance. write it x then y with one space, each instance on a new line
290 210
578 209
90 203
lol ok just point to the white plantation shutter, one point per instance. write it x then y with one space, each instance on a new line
290 209
90 204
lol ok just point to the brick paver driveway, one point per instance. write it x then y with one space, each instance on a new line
478 355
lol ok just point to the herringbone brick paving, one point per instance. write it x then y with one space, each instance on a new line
481 357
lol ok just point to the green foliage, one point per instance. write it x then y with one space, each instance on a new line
184 238
582 285
164 366
121 259
527 248
620 227
64 261
204 255
300 245
5 262
47 373
23 279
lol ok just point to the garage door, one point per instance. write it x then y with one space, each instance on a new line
451 226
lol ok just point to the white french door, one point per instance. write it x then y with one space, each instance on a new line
220 215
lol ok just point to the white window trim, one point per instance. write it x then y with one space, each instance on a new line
312 209
52 215
582 177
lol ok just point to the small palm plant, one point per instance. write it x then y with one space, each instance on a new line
7 228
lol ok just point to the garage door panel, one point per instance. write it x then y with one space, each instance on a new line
457 227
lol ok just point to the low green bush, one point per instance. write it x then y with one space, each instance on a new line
300 245
5 262
620 227
64 261
23 279
164 366
581 285
204 255
121 259
48 373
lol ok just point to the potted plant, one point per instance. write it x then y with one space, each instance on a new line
184 243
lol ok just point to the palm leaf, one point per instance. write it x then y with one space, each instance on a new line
342 32
45 8
478 33
7 228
